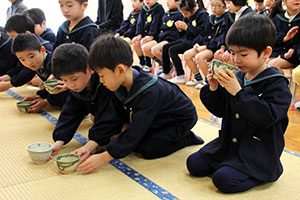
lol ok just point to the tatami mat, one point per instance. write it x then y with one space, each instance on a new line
20 179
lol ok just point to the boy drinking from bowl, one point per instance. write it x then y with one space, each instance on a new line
87 96
253 104
31 53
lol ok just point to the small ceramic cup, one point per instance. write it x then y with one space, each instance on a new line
24 106
39 152
217 66
50 84
67 163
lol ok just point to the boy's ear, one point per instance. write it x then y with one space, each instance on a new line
85 5
121 69
89 70
44 24
43 50
27 32
267 52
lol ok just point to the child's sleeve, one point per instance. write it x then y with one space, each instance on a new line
124 26
23 77
108 122
140 23
215 101
69 119
194 31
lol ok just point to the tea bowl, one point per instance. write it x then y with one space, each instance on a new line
39 152
67 163
217 66
24 106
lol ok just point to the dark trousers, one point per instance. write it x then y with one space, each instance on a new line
225 178
171 50
152 147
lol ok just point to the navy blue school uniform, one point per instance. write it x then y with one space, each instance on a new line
168 30
149 21
128 26
196 25
158 112
282 27
85 32
21 75
211 37
263 12
98 102
48 35
251 139
113 16
229 20
8 61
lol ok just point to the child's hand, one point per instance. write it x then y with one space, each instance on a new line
289 54
291 33
5 78
226 56
61 87
56 147
38 104
4 85
229 82
213 83
218 54
146 39
83 152
94 162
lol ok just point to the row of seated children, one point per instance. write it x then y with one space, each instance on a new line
77 28
257 88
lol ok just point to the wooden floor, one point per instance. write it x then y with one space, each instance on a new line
292 135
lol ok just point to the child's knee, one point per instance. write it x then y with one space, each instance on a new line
195 166
223 182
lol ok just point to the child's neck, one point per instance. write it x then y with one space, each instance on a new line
76 21
292 12
217 16
128 79
252 74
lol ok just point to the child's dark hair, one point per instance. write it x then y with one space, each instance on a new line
108 51
19 23
239 2
81 1
25 41
276 8
36 14
259 1
69 58
253 31
187 5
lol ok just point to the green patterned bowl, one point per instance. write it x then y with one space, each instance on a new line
50 84
217 66
39 152
24 106
67 163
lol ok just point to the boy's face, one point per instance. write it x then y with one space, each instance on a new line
72 10
12 34
32 59
186 14
217 7
292 5
77 81
112 80
231 7
172 4
259 6
136 4
150 3
248 60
